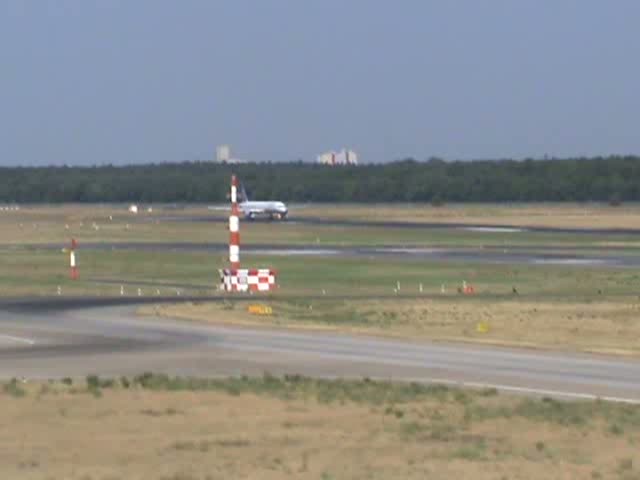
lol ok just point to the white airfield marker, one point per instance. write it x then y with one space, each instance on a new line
11 338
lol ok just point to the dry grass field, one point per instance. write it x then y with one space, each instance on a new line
269 428
610 327
98 223
559 215
189 429
108 223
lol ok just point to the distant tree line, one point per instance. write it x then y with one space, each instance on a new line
610 179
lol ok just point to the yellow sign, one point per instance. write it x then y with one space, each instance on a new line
482 327
260 309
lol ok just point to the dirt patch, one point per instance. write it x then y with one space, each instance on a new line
56 431
568 215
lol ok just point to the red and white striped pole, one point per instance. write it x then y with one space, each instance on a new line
72 260
234 226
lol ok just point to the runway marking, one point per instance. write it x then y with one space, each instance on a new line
409 250
495 229
292 251
28 341
568 261
530 390
504 388
461 383
500 387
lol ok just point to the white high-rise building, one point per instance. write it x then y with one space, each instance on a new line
343 157
223 153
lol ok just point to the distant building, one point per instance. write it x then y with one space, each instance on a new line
223 155
343 157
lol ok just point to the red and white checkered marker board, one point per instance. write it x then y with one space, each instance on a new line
236 279
248 280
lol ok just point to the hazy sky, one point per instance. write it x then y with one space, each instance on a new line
93 82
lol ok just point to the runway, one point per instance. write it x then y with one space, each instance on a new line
504 254
52 339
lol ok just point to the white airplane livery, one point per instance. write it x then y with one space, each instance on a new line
252 209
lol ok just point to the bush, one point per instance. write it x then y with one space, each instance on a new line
616 429
14 389
615 200
93 381
474 452
437 201
625 464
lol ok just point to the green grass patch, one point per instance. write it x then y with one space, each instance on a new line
41 272
14 389
477 404
473 451
296 386
564 413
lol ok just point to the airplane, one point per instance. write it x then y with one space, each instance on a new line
252 208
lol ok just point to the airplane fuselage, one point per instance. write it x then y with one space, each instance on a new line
253 209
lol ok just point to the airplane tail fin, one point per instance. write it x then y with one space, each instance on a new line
243 193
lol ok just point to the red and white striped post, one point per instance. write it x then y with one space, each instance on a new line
234 227
235 279
72 260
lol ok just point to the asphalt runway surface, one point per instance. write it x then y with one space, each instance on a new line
68 337
505 254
